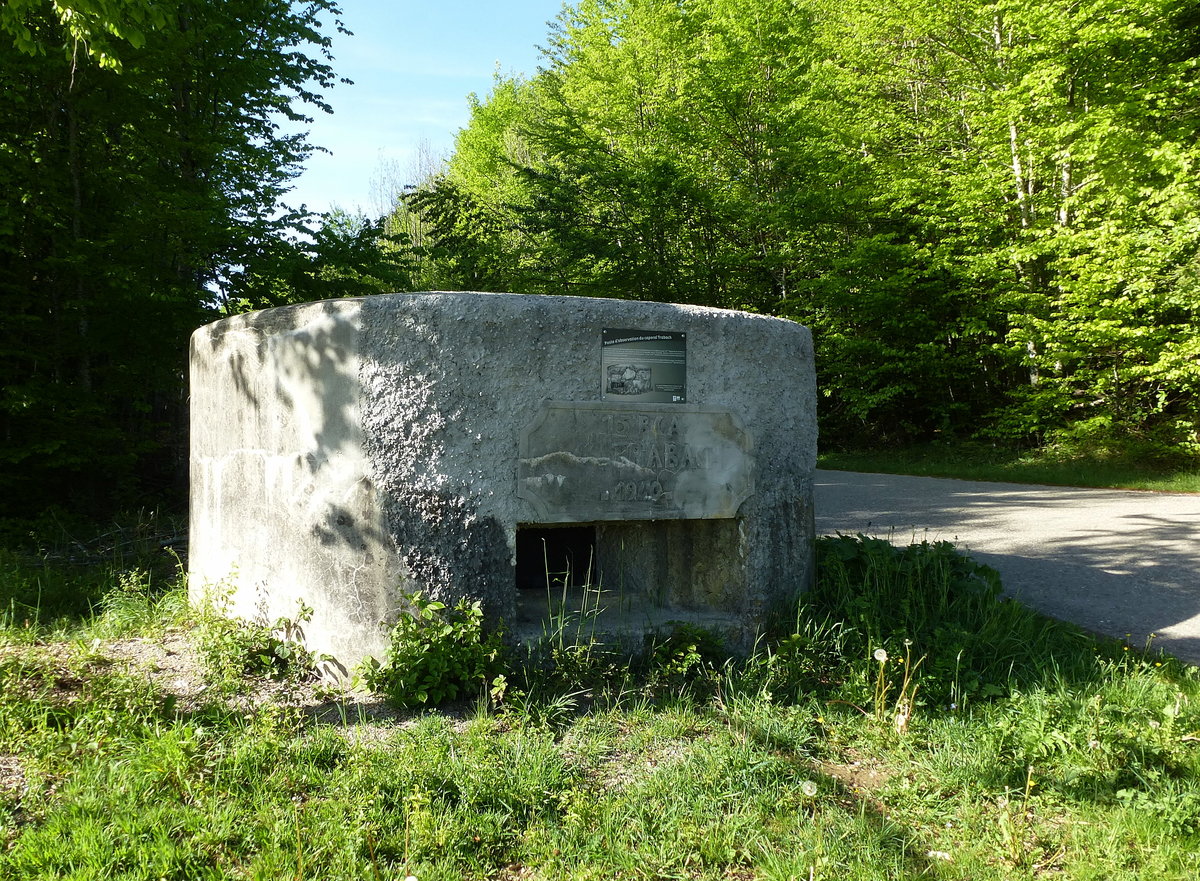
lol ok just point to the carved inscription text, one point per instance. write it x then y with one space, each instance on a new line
590 461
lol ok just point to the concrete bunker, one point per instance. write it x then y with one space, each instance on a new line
646 462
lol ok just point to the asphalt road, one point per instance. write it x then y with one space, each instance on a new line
1122 563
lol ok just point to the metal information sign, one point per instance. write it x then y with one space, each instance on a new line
643 366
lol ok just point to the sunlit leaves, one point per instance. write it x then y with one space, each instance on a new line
98 29
961 199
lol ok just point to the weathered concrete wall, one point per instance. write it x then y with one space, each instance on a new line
350 451
282 508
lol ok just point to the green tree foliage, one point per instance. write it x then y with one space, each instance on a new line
1048 150
344 255
95 28
142 168
470 233
985 210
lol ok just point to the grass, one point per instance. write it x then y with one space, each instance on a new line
1027 750
1046 466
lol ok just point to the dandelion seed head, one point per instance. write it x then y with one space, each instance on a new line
809 788
880 655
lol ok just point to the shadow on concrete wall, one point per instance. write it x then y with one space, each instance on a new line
297 365
320 351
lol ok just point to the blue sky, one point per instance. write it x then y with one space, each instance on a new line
413 66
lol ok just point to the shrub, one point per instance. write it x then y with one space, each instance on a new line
436 654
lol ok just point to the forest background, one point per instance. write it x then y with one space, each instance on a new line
986 211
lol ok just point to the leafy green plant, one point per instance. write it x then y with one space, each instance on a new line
436 653
233 648
816 656
137 604
684 655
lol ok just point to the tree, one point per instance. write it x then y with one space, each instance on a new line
1049 151
985 209
695 152
344 255
96 29
132 192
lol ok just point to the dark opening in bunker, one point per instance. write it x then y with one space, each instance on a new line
622 579
555 555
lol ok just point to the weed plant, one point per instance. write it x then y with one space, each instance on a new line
234 650
1082 760
437 653
56 575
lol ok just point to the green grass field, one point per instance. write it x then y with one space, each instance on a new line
908 722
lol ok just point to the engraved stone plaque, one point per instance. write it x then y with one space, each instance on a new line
591 461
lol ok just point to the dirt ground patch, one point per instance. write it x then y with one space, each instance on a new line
174 665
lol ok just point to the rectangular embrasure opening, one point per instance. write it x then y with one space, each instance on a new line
555 556
624 579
